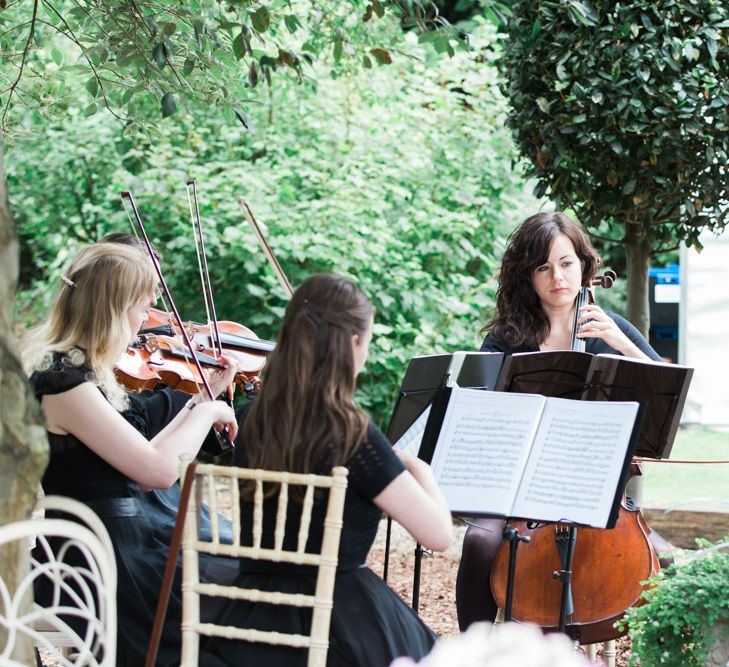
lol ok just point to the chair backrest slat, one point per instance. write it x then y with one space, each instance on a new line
213 505
305 519
235 509
283 503
258 513
324 560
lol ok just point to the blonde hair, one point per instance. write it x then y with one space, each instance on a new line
97 291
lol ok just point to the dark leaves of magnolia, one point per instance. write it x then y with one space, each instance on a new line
244 118
252 75
92 86
382 56
239 46
159 53
292 23
286 58
168 105
261 19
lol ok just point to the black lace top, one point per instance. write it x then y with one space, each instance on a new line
74 470
372 467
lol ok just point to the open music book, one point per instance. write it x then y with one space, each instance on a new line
427 374
661 387
528 456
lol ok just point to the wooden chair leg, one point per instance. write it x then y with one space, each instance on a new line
499 617
590 651
608 653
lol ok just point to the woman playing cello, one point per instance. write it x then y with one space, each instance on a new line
97 457
548 260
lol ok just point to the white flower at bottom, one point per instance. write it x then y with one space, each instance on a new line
483 645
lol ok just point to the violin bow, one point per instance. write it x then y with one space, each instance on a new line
248 215
127 197
202 261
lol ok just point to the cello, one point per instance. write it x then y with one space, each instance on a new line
605 570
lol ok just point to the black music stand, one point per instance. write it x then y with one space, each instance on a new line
437 436
424 376
660 388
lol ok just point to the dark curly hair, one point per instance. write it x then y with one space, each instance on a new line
520 319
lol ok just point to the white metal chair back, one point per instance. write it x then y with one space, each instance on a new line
82 587
225 480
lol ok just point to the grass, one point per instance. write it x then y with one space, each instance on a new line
689 486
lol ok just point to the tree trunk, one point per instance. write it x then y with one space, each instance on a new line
23 442
638 255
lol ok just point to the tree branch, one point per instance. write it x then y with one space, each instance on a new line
22 63
70 35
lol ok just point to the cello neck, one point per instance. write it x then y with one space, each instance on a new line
583 299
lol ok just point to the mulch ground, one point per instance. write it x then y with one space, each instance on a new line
437 603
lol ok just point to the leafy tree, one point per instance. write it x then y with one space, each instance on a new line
209 53
399 177
126 54
622 110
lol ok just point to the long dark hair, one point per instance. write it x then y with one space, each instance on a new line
520 318
304 415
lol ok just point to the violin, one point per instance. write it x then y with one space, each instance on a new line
233 336
157 357
153 360
608 565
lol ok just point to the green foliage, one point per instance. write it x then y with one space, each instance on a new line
398 177
673 628
180 54
623 110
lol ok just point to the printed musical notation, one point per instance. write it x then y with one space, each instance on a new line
527 456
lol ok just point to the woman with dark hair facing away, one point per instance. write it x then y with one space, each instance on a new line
304 420
99 458
548 259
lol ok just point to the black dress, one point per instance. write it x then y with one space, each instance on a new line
76 471
370 624
149 412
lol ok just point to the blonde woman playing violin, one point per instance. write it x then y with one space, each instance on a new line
97 457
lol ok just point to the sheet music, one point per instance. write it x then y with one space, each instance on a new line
411 439
482 448
576 461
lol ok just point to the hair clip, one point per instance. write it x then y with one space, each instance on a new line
68 281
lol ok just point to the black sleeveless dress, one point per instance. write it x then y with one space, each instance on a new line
76 471
370 624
